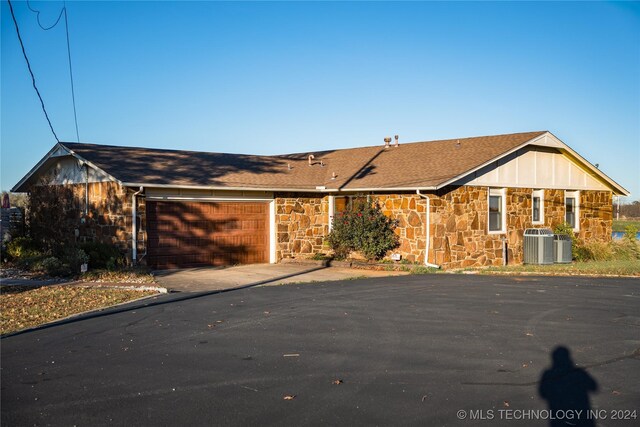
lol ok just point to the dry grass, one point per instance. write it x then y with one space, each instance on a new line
622 224
597 268
25 306
135 275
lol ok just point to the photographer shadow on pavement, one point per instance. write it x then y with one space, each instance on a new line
566 389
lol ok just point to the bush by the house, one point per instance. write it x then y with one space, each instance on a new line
52 216
363 228
74 257
53 267
625 249
566 228
21 247
103 255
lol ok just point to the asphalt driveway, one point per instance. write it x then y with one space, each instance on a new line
411 350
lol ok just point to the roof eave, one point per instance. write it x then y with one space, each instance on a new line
21 186
621 191
617 188
274 189
18 188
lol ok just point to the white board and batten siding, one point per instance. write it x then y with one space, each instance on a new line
535 167
69 170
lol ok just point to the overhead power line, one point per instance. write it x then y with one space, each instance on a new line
37 12
33 78
63 11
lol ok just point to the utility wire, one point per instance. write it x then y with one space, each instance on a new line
33 79
66 27
37 12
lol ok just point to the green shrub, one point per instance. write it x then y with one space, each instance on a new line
74 258
53 267
630 234
565 228
31 263
364 228
103 255
22 248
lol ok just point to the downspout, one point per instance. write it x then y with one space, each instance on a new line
428 226
86 190
134 231
332 208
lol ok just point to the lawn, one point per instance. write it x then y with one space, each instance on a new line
25 306
613 268
622 224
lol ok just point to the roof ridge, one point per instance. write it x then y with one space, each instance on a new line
302 153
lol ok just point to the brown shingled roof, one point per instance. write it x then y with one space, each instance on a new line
411 165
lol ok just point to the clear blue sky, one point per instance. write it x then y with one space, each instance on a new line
268 78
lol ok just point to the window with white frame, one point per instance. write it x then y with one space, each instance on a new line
572 209
341 204
497 210
537 207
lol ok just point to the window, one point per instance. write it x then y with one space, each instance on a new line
537 206
343 203
338 204
572 207
496 210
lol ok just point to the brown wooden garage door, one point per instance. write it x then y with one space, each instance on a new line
195 234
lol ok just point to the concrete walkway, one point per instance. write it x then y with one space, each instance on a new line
216 278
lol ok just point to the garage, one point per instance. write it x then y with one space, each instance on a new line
199 234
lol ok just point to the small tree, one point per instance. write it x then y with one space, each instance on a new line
364 228
52 216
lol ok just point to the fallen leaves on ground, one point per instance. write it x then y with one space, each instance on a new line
25 306
118 276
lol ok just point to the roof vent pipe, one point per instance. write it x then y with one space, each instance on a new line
334 176
387 140
396 138
311 157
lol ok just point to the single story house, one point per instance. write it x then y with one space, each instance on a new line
459 202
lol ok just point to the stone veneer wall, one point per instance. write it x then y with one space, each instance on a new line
410 212
459 235
109 216
596 215
459 231
302 223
